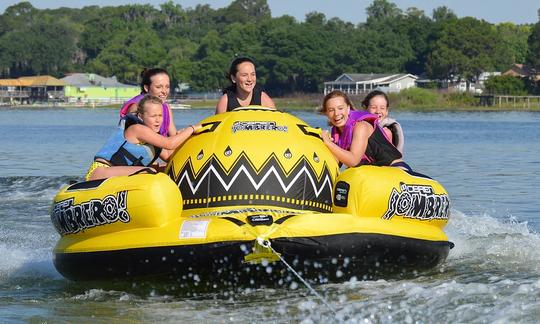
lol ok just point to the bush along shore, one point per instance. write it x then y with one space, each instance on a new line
413 99
419 99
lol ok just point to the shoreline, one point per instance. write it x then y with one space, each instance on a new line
298 108
302 103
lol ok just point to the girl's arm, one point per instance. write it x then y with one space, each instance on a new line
362 131
221 106
185 133
137 134
266 101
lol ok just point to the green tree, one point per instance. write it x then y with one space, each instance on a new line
244 11
297 55
37 49
382 9
101 31
464 49
211 64
18 16
177 60
171 18
127 54
443 13
419 32
505 85
514 39
533 57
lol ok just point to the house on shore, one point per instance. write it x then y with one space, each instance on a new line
31 89
359 83
524 71
86 88
456 83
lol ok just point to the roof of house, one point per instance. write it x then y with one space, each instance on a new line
33 81
10 83
93 80
370 78
522 70
517 70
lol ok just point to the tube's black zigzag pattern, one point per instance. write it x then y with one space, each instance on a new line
243 184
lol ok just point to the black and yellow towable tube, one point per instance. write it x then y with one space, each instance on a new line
252 187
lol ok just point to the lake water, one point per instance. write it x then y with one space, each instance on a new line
488 162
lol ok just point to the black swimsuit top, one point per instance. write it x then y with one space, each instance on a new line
232 100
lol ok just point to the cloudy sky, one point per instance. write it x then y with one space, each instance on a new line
494 11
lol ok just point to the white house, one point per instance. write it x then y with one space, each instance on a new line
357 83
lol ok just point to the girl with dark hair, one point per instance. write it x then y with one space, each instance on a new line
376 102
244 90
356 137
156 82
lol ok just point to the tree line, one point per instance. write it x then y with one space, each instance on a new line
196 45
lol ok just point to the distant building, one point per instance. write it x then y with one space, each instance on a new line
524 71
31 89
456 83
357 83
89 87
476 86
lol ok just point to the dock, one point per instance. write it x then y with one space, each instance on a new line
509 101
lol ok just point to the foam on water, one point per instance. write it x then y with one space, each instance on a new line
26 234
493 242
31 187
491 275
26 262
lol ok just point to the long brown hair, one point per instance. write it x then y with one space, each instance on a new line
335 94
147 74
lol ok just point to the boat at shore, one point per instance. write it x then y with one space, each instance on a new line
177 105
253 190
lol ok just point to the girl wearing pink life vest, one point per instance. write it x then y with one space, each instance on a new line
356 137
155 82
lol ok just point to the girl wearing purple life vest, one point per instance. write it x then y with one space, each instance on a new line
356 137
155 82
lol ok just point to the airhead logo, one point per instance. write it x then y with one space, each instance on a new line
69 218
258 126
417 201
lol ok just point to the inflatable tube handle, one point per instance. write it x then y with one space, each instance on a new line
312 131
145 170
207 127
204 128
315 130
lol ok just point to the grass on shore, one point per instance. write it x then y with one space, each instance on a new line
414 99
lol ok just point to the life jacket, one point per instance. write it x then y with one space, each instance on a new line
398 138
119 152
232 100
379 151
164 130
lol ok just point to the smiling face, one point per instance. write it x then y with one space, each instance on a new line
159 86
378 106
337 111
152 115
245 77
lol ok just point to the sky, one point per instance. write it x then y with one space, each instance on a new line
493 11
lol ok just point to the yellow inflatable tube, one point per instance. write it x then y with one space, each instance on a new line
253 186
